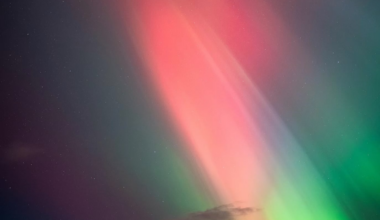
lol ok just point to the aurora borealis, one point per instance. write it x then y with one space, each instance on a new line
190 109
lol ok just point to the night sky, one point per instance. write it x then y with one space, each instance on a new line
190 110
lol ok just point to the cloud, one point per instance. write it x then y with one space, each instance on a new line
18 152
223 212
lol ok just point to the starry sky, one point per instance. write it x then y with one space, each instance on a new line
190 110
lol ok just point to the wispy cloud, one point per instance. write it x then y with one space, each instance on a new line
224 212
18 151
